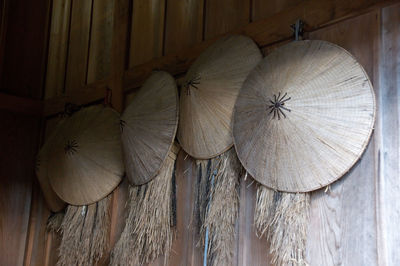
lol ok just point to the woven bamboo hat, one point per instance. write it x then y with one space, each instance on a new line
209 93
303 116
54 202
84 157
149 127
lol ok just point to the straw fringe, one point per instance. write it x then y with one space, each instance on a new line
85 231
283 218
147 233
220 218
54 222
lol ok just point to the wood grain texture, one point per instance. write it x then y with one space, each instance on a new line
149 126
209 92
58 47
19 143
251 250
261 9
223 16
343 224
267 31
184 25
100 40
147 31
78 46
25 47
388 147
303 116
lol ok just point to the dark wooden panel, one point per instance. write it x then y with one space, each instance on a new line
147 31
261 9
343 224
317 13
184 25
100 40
225 15
58 47
389 141
25 48
19 142
78 45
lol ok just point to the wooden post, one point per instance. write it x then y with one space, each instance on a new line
118 63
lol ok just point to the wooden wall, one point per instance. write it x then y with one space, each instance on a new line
352 223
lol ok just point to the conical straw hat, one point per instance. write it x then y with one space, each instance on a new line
54 202
303 116
209 93
85 157
149 127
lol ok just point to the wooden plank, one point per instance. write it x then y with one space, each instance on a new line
317 14
224 16
251 250
389 142
100 40
20 105
85 95
184 25
58 46
261 9
78 45
16 174
25 48
343 226
118 63
147 31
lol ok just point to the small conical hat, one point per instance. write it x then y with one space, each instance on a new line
303 116
84 157
54 202
209 93
149 127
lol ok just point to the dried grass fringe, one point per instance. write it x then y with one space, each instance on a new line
221 216
85 232
283 218
54 222
147 233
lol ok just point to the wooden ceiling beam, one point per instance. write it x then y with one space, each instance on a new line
315 13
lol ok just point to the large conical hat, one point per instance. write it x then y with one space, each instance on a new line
209 93
149 127
54 202
303 116
84 158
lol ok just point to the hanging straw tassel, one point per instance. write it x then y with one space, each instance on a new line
283 218
147 233
219 214
85 231
54 222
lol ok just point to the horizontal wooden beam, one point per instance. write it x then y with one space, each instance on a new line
315 14
21 105
88 94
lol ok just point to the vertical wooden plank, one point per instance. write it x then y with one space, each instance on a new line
25 47
100 40
58 46
225 15
261 9
118 64
184 24
78 45
19 140
251 250
147 31
342 228
388 129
